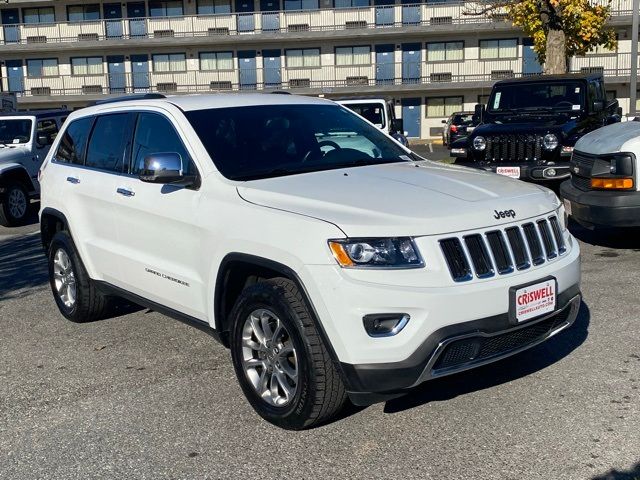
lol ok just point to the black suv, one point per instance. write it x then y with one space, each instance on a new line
530 125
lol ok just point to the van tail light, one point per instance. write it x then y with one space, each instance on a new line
454 128
600 183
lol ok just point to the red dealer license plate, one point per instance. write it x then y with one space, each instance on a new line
535 300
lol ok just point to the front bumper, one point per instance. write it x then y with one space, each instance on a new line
602 208
534 173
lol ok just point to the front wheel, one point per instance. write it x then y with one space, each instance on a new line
15 206
281 362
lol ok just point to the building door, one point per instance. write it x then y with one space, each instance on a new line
411 116
244 11
115 68
270 15
530 63
10 21
272 68
247 69
136 14
410 12
15 76
113 19
140 73
384 12
411 54
385 65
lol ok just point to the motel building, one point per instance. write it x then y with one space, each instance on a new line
431 59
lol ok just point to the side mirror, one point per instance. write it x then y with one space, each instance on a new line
397 125
444 121
162 168
43 140
598 106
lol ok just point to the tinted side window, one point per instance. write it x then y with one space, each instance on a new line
155 134
109 141
72 145
47 130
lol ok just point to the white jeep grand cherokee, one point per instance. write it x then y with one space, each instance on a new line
331 260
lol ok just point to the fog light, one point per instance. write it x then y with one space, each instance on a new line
385 324
550 172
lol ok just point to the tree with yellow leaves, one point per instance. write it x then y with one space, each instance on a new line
560 29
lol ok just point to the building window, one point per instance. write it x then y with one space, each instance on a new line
445 51
38 15
353 55
504 48
83 13
351 3
216 61
213 7
483 99
300 58
42 67
86 66
170 62
300 4
443 106
165 9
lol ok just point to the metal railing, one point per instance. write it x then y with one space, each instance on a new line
319 20
322 79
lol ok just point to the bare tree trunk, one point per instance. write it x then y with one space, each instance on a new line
556 53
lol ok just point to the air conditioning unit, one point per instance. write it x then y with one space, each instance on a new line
300 83
167 87
220 85
441 20
440 77
163 33
88 37
359 80
501 74
91 89
40 91
218 31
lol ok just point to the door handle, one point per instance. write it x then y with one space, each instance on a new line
74 180
125 192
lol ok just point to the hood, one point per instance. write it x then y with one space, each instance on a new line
558 124
402 199
618 137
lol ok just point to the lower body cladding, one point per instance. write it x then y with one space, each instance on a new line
523 170
450 328
597 208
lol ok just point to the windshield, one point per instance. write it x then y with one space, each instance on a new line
248 143
557 96
374 112
15 131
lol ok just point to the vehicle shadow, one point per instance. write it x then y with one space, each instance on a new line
611 237
526 363
23 265
632 474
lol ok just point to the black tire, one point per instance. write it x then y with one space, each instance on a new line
320 392
90 303
8 216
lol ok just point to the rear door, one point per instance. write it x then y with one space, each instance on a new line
11 29
160 249
117 80
140 73
113 19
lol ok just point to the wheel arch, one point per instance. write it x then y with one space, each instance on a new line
51 222
16 172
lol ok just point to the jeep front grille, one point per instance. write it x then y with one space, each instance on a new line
501 252
507 148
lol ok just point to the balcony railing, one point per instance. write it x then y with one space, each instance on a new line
320 20
307 80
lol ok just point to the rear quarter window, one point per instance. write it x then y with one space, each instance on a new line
72 146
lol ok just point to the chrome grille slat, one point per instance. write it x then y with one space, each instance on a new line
502 251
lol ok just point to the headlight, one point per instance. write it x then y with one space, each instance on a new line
550 141
479 143
563 218
376 252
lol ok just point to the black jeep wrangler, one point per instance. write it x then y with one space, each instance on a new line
530 125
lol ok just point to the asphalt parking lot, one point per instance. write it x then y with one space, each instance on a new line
140 395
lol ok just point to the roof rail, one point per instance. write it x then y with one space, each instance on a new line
126 98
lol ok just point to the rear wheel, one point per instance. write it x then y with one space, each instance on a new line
280 360
16 205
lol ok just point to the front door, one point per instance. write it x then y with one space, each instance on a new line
113 19
244 11
530 63
385 65
270 15
10 21
411 116
15 76
140 73
384 12
272 67
411 63
136 13
410 12
115 68
247 67
158 225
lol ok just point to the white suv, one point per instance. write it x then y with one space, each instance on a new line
331 260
